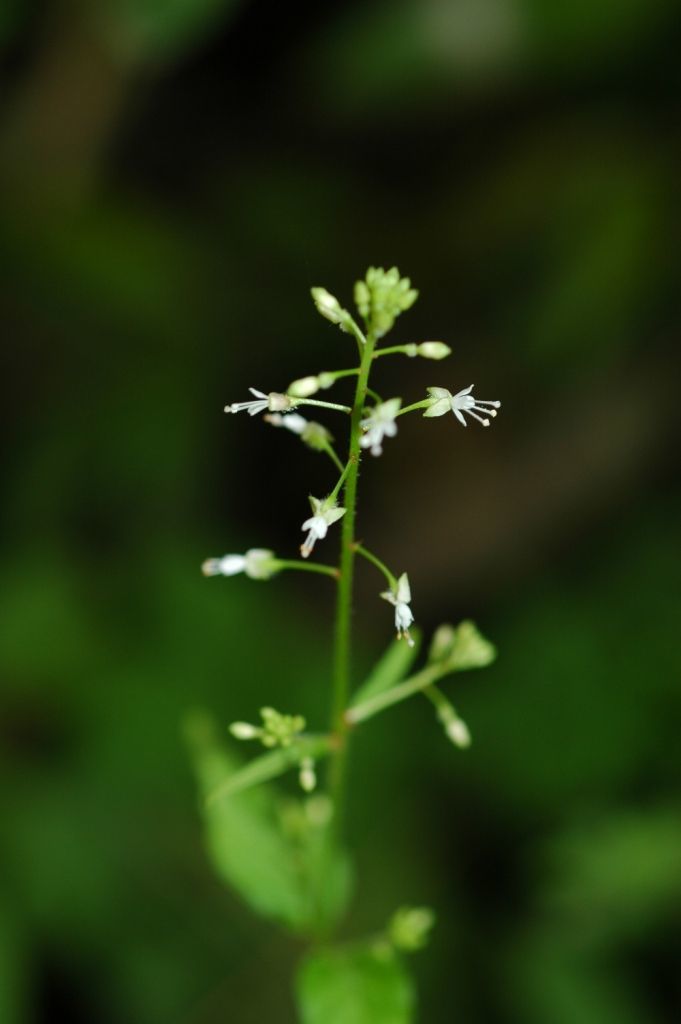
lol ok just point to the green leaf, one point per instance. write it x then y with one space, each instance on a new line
355 985
244 838
393 666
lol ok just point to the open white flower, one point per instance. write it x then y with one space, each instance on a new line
463 402
272 401
325 514
380 423
257 563
400 597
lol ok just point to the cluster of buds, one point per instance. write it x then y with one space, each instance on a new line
278 730
382 296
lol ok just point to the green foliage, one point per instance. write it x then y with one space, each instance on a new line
393 666
361 984
243 836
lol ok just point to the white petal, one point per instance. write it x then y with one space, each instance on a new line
403 589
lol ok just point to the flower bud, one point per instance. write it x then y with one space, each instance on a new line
304 387
244 731
327 304
434 350
308 777
458 732
442 644
409 928
471 649
326 380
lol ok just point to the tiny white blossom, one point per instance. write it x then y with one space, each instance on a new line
257 563
444 401
291 421
272 401
400 597
378 424
317 525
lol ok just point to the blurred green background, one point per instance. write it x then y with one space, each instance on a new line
174 175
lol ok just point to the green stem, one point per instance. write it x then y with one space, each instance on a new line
416 684
359 336
322 405
288 563
334 493
406 350
341 662
337 374
327 447
370 557
417 405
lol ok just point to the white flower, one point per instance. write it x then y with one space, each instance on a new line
272 401
444 401
380 423
400 597
257 563
318 524
292 421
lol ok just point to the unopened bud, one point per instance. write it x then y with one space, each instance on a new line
434 350
327 304
326 380
308 776
457 730
244 731
304 387
409 928
442 644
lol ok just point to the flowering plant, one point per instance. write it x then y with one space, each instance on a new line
287 859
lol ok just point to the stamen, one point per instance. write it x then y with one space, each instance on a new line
471 412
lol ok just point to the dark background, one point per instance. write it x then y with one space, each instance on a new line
175 175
